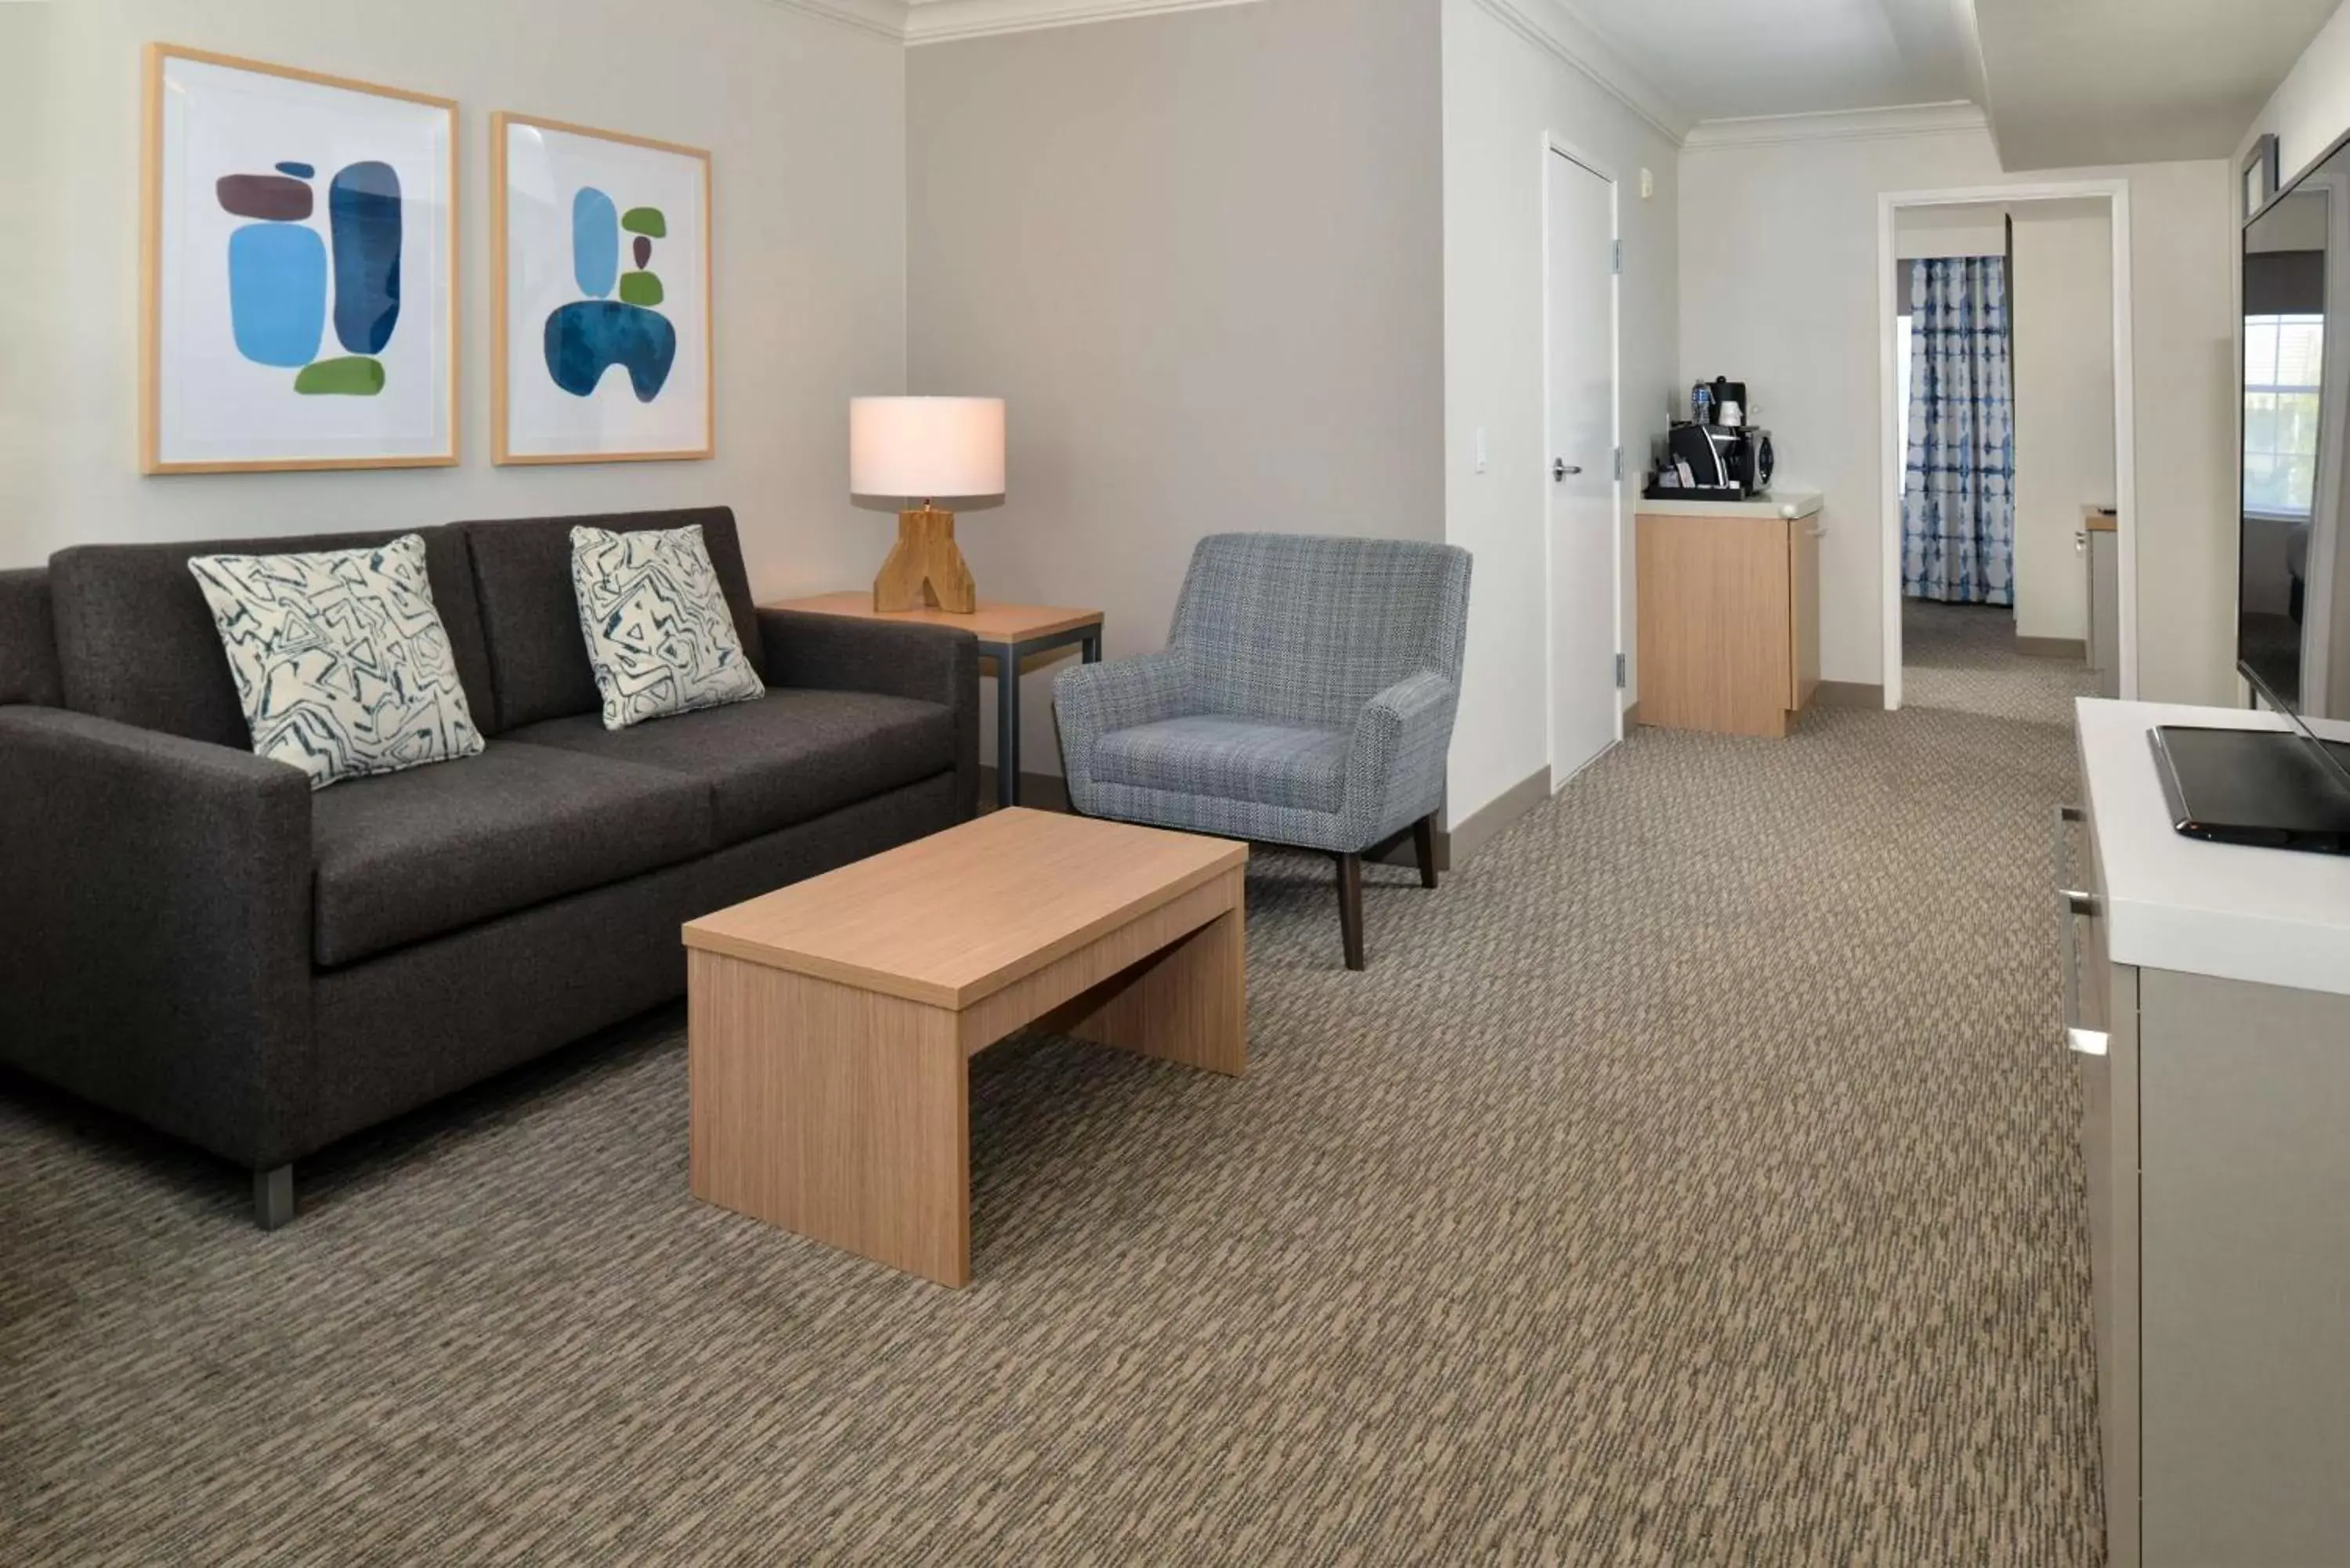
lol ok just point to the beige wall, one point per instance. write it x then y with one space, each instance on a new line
1504 97
2310 107
1975 229
1797 319
1200 257
2062 311
805 118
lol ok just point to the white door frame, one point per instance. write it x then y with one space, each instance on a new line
2115 193
1555 146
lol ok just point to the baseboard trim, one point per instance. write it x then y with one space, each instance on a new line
2051 647
1455 845
1850 695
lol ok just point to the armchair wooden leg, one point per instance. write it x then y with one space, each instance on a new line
1350 908
1423 844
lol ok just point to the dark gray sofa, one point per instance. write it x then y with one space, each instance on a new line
190 936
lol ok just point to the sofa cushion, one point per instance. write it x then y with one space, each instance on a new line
28 642
1229 759
341 663
659 635
530 615
402 857
136 641
789 757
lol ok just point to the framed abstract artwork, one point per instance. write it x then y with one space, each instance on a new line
298 272
599 265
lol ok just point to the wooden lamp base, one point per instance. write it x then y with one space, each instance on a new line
925 571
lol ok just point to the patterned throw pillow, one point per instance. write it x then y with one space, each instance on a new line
659 633
340 659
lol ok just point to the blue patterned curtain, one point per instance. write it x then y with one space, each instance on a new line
1957 497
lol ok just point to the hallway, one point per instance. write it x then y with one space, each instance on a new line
1963 659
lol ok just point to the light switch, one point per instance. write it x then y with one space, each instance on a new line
1480 449
1648 184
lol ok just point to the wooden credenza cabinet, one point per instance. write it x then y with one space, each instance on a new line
1728 605
2208 992
2100 544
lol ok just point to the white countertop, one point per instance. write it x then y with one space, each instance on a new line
1773 503
2274 917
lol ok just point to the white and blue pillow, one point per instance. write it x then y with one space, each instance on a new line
659 636
341 662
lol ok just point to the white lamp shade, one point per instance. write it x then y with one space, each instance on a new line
923 447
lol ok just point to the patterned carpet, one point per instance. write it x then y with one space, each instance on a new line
1963 658
1691 1180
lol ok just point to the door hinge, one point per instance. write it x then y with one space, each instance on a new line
1620 462
1619 265
1619 673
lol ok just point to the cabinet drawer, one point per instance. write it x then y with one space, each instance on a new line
2100 1026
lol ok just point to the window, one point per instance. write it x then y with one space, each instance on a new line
2283 366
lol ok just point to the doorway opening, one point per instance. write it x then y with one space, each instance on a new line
1582 481
2007 449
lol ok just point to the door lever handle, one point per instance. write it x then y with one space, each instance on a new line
1560 468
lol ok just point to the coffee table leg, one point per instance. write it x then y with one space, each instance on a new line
1188 1002
834 1112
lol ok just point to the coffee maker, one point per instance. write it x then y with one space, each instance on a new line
1709 451
1723 456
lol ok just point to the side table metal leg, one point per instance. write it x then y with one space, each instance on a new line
1007 727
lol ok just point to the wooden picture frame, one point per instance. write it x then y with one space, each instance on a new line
525 414
2258 177
199 345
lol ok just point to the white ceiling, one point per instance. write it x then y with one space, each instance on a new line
1721 60
2064 83
2074 82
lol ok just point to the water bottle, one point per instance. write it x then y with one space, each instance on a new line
1701 403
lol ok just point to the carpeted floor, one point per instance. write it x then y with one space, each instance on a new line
1691 1180
1963 658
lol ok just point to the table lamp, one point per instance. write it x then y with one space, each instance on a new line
925 447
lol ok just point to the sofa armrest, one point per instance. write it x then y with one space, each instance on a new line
898 659
1089 700
1395 765
155 935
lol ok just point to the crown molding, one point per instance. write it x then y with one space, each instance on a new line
1838 125
886 18
943 21
1559 29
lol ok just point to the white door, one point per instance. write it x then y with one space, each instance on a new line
1584 709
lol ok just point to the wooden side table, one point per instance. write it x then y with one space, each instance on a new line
1006 633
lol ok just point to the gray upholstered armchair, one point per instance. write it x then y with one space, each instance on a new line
1306 698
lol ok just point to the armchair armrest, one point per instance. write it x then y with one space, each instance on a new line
896 659
1089 700
155 935
1395 765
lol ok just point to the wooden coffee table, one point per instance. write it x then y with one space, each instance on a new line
831 1022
